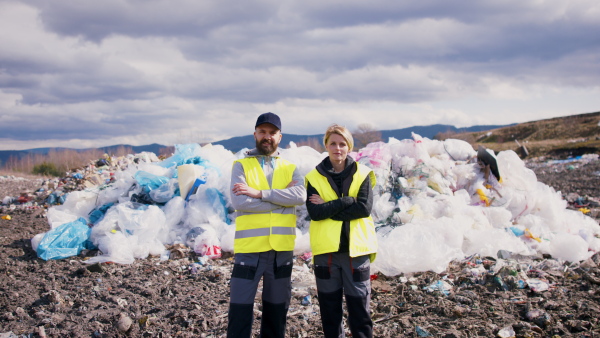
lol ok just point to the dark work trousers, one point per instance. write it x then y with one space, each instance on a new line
275 268
338 274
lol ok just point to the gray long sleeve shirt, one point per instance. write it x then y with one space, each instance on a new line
281 201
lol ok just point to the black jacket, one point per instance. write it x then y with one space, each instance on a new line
344 208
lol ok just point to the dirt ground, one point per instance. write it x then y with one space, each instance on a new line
186 298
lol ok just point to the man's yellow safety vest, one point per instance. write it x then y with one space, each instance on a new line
259 232
325 234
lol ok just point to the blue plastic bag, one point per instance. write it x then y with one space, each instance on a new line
183 153
98 213
56 197
219 204
51 199
149 181
440 285
165 192
65 240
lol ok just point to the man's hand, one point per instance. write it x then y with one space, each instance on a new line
244 189
315 199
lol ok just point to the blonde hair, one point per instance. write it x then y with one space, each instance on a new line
340 130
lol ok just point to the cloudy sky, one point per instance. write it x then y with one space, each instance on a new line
87 73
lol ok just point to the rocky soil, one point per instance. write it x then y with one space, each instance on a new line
188 297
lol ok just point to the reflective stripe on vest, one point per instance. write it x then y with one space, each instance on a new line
265 231
325 234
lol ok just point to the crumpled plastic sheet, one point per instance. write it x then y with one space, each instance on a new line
65 240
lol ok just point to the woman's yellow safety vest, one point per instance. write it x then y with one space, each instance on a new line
259 232
325 234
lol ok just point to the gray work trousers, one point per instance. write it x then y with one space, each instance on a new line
275 268
337 275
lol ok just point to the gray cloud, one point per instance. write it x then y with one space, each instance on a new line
131 69
142 18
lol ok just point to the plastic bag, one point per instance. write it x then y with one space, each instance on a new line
441 286
149 181
183 152
98 213
218 203
165 192
56 198
191 235
375 155
206 243
65 241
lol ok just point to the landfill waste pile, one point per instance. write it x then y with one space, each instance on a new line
470 244
435 202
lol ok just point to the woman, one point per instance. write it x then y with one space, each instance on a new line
342 235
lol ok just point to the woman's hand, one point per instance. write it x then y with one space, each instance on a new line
315 199
244 189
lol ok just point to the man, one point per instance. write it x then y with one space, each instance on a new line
265 190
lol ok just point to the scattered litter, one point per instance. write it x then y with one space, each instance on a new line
537 285
421 332
506 332
441 286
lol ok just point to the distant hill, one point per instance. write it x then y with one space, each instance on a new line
6 154
559 137
238 143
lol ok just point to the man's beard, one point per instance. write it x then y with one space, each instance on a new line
266 147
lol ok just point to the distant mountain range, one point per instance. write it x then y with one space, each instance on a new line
235 144
238 143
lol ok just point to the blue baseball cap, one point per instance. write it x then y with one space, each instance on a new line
269 118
